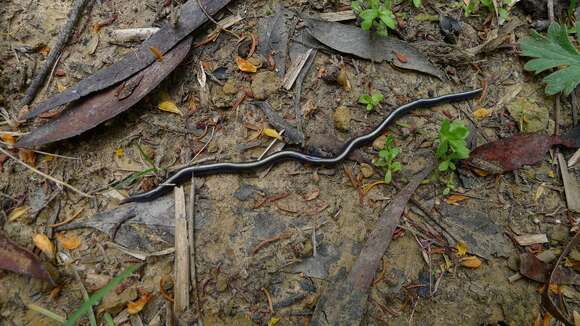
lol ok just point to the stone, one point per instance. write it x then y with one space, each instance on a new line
220 99
559 233
230 87
366 170
342 118
265 84
379 142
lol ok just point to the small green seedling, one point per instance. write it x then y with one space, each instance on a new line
376 15
386 160
451 148
371 101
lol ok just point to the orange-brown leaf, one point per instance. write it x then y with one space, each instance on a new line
245 66
9 139
27 156
471 262
158 54
44 244
70 242
136 306
401 57
455 198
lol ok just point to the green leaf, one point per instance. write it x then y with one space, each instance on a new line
417 3
451 165
108 319
100 294
442 148
395 152
388 19
388 176
356 6
396 166
368 16
553 51
364 99
444 166
369 107
377 98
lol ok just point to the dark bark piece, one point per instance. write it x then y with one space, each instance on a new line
19 260
511 153
291 134
95 109
191 17
355 41
535 269
274 38
345 302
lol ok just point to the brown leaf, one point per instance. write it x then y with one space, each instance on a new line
401 57
136 306
27 156
245 66
511 153
19 260
455 198
535 269
312 195
70 242
42 242
471 262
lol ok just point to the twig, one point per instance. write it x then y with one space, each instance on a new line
192 248
270 146
551 11
181 268
55 52
68 220
92 317
204 146
5 152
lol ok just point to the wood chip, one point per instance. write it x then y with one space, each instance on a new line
295 69
570 186
338 16
181 254
530 239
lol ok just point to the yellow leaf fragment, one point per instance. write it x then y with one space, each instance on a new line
17 213
482 113
471 262
455 198
9 139
271 133
44 244
245 66
136 306
576 318
119 152
70 242
461 248
273 321
169 106
158 54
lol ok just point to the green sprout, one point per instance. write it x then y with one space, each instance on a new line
376 15
387 157
371 101
451 148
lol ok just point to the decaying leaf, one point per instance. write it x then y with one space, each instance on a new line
136 306
68 242
482 113
93 110
455 198
245 65
165 40
273 321
535 269
272 133
169 106
461 248
471 262
17 213
19 260
27 156
119 152
511 153
42 242
353 40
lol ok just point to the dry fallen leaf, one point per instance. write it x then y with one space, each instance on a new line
27 156
271 133
44 244
17 213
482 113
313 195
119 152
245 66
9 139
169 106
471 262
273 321
136 306
70 242
455 198
461 248
158 54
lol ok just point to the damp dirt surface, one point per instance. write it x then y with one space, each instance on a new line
419 282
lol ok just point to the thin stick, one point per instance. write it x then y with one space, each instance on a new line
551 11
204 146
192 248
181 295
5 152
271 144
55 52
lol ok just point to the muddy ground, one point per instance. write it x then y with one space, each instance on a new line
229 225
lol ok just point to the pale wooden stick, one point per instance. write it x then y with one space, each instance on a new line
181 254
5 152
